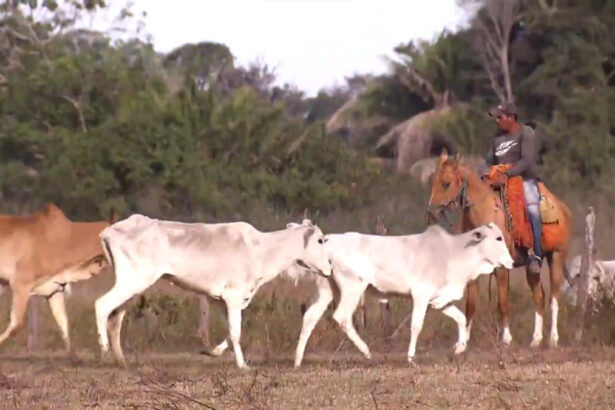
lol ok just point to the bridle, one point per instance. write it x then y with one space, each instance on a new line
459 201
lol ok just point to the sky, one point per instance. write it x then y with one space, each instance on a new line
312 44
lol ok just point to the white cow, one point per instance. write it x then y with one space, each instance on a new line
601 284
432 267
226 261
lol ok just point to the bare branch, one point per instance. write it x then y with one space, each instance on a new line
417 83
492 39
77 106
16 34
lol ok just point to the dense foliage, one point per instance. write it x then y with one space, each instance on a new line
92 124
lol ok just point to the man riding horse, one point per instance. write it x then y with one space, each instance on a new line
546 231
515 145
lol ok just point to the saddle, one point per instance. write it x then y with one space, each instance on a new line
517 218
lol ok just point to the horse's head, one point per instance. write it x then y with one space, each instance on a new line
447 186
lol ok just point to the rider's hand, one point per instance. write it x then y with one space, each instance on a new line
500 179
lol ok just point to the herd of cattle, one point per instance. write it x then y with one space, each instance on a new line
40 254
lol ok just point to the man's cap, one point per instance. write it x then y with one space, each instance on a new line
504 109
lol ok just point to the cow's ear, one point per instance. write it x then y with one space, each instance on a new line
291 225
307 222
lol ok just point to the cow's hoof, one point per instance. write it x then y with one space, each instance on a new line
460 347
217 351
553 342
368 355
411 361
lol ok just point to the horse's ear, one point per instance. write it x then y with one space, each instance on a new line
443 156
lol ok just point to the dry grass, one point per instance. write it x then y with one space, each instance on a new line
565 378
166 372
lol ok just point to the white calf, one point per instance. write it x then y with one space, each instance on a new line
227 262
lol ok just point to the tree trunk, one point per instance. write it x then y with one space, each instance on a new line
510 97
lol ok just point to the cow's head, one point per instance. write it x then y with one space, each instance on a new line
314 256
601 281
93 266
489 241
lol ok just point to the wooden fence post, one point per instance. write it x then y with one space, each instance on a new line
204 320
385 307
587 263
34 323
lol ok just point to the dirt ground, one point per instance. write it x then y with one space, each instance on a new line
515 377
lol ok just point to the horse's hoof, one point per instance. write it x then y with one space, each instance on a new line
460 347
506 337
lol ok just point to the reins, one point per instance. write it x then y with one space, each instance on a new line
462 202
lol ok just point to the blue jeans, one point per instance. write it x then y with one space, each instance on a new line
532 199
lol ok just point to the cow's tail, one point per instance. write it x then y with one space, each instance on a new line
108 253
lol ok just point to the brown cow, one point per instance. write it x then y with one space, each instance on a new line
43 252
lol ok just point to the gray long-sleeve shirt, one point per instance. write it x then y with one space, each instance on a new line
516 148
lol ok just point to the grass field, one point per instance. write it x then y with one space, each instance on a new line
517 378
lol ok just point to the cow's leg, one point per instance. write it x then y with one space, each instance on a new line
58 310
21 294
502 279
127 284
471 297
350 295
313 314
419 308
538 295
220 348
114 327
556 272
454 313
234 322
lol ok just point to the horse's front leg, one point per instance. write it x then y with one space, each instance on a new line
502 276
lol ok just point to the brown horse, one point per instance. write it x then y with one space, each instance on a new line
454 186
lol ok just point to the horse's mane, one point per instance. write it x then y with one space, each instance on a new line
463 168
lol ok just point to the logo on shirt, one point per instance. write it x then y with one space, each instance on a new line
504 147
